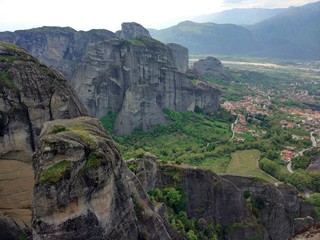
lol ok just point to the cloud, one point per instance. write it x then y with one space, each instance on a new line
234 1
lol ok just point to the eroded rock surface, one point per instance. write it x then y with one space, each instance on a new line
208 196
59 47
84 190
276 206
138 79
31 93
112 72
132 30
209 67
257 208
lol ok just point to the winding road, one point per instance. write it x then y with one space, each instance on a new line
232 125
289 165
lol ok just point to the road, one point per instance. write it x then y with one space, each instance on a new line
232 125
289 167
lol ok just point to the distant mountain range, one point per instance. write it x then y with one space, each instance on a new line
292 33
240 16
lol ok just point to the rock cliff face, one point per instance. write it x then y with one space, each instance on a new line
59 47
138 79
84 190
181 55
31 93
208 196
112 72
277 207
268 211
132 30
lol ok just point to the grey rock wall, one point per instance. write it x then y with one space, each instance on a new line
138 79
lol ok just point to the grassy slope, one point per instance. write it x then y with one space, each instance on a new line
192 138
245 163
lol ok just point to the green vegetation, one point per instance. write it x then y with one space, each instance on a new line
54 173
22 237
92 161
5 80
315 201
11 47
94 154
192 228
108 121
302 162
191 138
202 140
58 128
84 134
245 163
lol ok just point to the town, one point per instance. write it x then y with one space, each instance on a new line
261 104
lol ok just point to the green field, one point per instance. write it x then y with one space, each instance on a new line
245 163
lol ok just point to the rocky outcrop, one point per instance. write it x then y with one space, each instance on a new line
132 30
181 56
138 79
208 68
276 206
311 233
259 209
59 47
83 189
110 70
208 196
31 93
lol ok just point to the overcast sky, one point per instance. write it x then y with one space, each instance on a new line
95 14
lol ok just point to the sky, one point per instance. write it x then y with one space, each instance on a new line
106 14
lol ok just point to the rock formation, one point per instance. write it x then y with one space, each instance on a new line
138 79
31 93
311 233
84 190
181 55
277 207
268 211
59 47
208 68
132 30
112 72
208 196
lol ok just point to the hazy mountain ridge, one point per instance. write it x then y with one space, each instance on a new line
240 16
293 33
204 38
299 27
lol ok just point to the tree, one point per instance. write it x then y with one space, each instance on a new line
191 235
300 179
